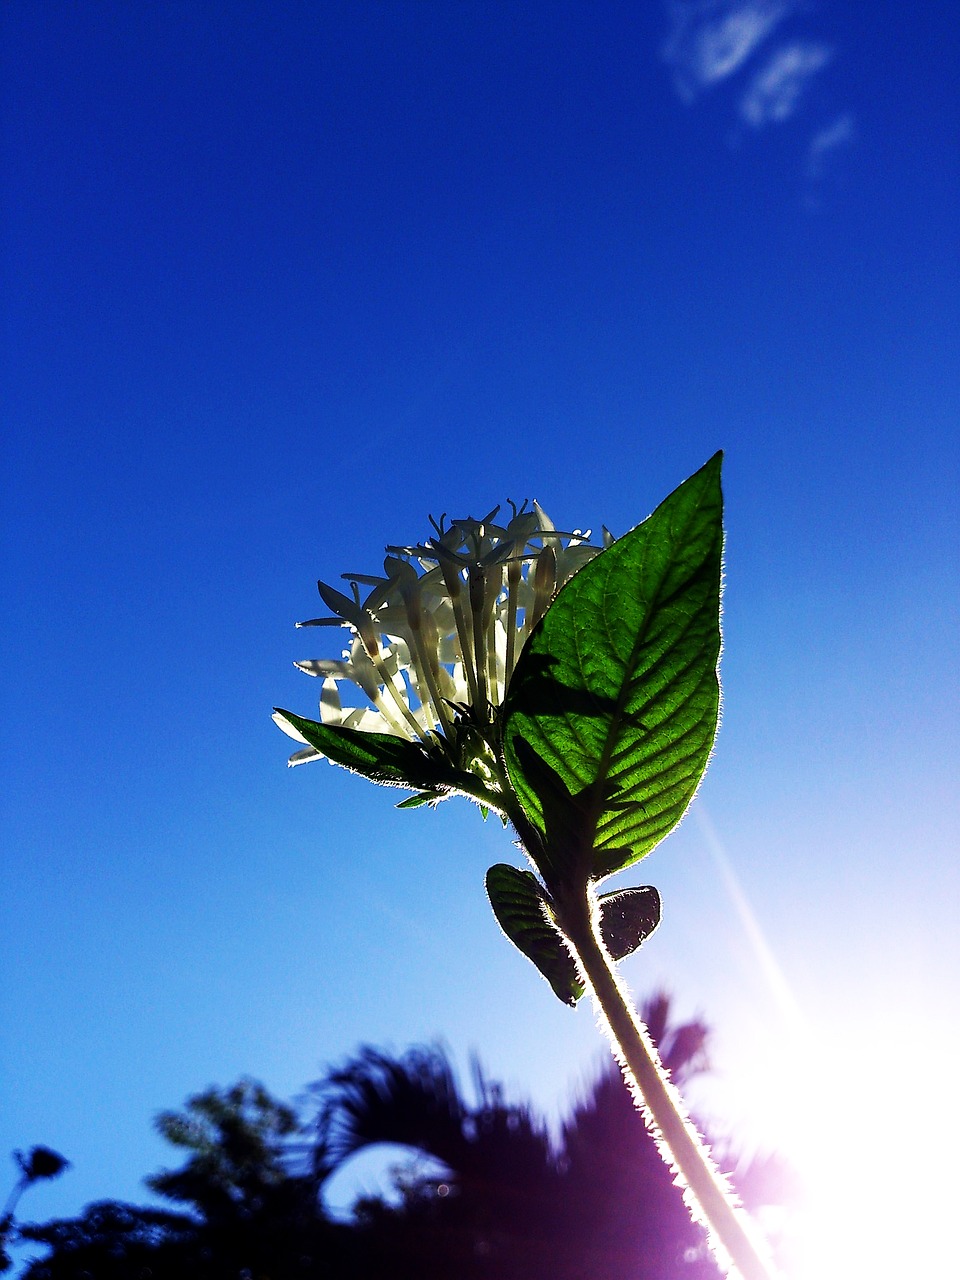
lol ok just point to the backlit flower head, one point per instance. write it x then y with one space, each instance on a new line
435 639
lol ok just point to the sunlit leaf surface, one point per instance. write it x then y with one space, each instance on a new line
615 698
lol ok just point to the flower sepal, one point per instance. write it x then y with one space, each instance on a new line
422 766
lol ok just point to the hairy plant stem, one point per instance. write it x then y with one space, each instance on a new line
710 1198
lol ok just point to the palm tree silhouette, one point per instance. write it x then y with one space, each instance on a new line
481 1207
37 1165
496 1198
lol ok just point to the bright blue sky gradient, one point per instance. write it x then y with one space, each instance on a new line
278 282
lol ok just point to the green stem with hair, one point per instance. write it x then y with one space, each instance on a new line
710 1197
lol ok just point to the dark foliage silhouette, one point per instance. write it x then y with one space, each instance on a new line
483 1212
485 1194
247 1212
37 1165
500 1201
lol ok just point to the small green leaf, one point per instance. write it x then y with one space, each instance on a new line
392 761
382 757
616 692
521 911
420 799
627 918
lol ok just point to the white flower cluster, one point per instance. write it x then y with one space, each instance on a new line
437 637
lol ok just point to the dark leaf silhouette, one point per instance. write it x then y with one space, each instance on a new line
522 909
522 913
627 918
41 1162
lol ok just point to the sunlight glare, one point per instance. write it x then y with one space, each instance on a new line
877 1154
865 1120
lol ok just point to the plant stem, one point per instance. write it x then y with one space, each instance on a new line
709 1196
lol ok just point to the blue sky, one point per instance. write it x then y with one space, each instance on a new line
279 281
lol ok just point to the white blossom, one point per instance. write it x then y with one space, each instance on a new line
435 639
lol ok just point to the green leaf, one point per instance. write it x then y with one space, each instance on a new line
627 918
392 761
382 757
420 799
616 693
522 913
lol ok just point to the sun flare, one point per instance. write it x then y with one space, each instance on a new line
862 1115
875 1145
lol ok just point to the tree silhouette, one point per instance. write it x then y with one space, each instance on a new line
499 1200
114 1241
249 1214
39 1164
482 1208
486 1194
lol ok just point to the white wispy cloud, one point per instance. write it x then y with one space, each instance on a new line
840 133
711 39
711 42
775 91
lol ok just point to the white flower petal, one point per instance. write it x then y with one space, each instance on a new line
366 720
283 723
415 641
331 711
335 667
